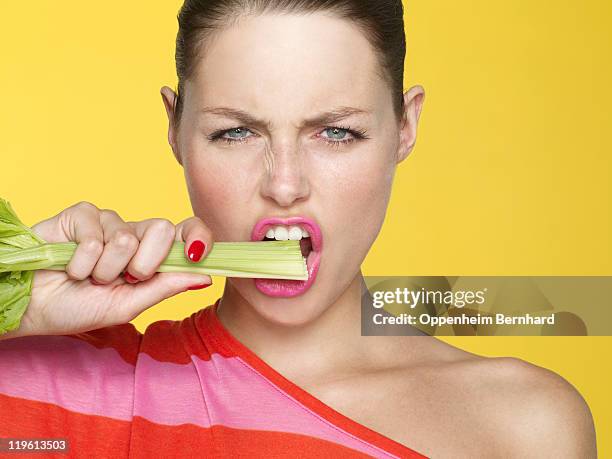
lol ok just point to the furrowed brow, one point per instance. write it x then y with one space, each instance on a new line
243 117
333 116
325 118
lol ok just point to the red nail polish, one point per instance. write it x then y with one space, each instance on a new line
199 287
196 249
131 279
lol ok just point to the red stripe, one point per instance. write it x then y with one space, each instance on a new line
177 341
87 435
124 338
163 342
155 440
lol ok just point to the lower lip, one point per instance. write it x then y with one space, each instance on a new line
288 288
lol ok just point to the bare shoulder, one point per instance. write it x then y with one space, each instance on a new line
448 403
542 411
527 410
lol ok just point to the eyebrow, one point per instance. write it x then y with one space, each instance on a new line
325 118
239 115
333 116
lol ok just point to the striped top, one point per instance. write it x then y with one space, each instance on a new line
183 388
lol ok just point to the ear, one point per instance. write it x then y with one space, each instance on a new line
413 103
169 98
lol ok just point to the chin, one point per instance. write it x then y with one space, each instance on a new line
289 312
294 310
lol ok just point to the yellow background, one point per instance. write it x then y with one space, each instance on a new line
510 176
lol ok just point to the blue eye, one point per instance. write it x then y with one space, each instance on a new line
236 133
334 133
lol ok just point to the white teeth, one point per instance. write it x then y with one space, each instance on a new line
284 233
281 233
295 233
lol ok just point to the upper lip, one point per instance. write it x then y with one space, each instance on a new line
262 226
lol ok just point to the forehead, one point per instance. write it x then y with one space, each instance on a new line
289 62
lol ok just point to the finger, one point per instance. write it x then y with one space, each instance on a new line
82 225
156 236
197 236
49 230
120 245
52 229
161 286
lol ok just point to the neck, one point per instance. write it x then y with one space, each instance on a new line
321 347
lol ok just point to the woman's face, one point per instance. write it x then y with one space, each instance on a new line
288 116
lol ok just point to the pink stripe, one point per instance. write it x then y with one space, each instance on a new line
77 376
67 372
229 392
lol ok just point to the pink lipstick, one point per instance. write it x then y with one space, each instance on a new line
311 249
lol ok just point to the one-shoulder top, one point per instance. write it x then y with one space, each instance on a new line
183 388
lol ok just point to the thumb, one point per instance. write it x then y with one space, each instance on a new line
148 293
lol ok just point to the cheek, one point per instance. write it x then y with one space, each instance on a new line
354 191
357 185
217 192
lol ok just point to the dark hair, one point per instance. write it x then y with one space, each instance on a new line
381 20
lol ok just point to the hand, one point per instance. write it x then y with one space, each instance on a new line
94 292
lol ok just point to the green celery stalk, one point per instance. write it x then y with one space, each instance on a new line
22 252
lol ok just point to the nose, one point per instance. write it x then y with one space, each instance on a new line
285 182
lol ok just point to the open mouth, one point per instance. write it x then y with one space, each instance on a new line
292 233
300 229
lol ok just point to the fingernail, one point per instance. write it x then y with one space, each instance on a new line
196 249
131 279
199 287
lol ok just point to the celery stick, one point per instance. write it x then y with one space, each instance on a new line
22 252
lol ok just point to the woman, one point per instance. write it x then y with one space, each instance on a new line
290 118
